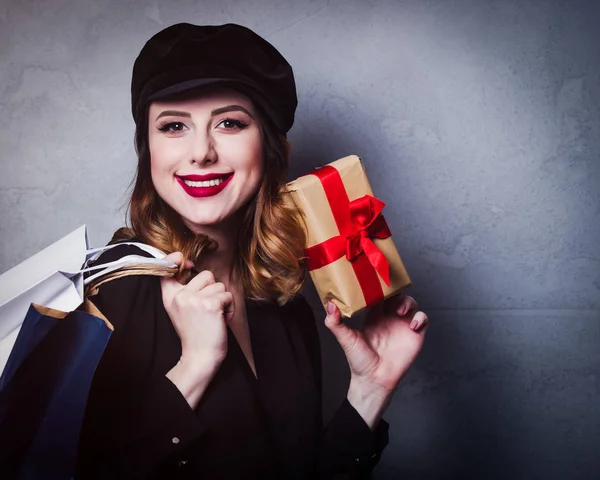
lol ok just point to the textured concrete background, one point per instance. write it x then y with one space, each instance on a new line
479 125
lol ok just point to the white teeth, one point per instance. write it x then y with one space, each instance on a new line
207 183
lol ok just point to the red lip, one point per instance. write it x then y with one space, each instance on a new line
203 178
198 192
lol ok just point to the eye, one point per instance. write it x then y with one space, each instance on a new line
172 127
232 124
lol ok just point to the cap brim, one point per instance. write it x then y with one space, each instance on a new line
200 83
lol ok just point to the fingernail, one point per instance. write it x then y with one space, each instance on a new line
329 307
402 311
414 324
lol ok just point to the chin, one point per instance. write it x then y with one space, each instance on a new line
199 217
200 223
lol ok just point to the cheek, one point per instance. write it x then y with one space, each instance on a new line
256 158
256 168
161 157
244 155
155 165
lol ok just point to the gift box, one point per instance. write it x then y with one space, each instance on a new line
350 254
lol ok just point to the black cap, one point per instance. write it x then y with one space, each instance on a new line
183 57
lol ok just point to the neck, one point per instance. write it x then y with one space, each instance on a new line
221 261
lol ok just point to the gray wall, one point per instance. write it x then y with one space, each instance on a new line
479 125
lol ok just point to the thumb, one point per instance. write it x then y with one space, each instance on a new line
345 335
175 257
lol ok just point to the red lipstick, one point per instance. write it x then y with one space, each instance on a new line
198 191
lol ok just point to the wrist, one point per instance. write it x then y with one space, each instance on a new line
372 388
198 364
369 400
192 376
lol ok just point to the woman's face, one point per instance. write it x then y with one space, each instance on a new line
206 155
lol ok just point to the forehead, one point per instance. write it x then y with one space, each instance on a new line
208 98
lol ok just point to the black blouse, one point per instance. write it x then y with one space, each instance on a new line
138 425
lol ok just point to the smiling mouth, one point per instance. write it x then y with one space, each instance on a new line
207 183
204 185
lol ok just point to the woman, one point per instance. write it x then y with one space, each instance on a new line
220 377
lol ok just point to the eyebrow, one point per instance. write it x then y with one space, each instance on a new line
216 111
173 113
230 108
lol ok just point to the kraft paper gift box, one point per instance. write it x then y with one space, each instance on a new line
350 254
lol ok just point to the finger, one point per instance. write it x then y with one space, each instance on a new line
213 289
225 299
175 257
391 304
229 311
202 280
407 305
419 322
345 335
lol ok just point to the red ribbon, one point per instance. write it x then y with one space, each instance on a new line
358 221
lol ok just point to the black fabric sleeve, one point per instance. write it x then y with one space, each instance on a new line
136 421
348 448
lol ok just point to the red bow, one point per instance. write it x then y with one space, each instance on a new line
365 213
358 222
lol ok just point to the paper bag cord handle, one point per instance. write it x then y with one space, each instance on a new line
159 271
124 262
92 254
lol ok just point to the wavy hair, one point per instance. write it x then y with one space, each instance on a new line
269 259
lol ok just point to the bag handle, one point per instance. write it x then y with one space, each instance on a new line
125 266
124 262
91 288
92 254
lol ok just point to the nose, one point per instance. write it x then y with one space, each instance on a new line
202 150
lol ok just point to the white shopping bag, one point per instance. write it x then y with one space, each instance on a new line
54 278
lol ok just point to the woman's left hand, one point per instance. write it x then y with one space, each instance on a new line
380 353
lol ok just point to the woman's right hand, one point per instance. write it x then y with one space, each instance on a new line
199 312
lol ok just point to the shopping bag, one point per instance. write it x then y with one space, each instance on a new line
52 359
54 278
46 385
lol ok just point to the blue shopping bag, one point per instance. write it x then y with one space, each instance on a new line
44 389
